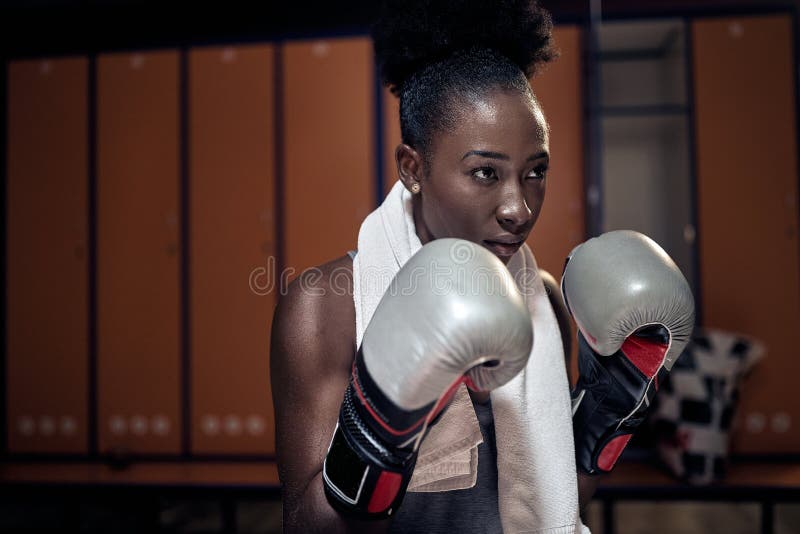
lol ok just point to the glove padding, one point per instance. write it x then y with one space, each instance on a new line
452 315
635 314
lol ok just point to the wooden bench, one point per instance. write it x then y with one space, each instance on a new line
760 482
764 483
142 483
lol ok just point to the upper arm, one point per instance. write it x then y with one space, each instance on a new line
562 315
311 353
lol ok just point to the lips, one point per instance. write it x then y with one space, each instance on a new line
503 248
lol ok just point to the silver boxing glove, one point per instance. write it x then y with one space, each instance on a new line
452 314
635 313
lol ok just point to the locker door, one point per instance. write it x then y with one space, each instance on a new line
138 252
47 269
328 89
232 231
747 204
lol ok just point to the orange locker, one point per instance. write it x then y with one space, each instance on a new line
232 254
138 252
47 266
747 210
558 87
329 147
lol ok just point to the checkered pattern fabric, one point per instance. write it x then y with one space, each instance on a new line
697 402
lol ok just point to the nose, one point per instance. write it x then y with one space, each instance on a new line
513 212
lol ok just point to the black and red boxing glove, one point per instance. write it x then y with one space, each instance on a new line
452 315
635 313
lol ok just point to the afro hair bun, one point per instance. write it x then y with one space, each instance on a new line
411 34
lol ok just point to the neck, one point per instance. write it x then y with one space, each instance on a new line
419 224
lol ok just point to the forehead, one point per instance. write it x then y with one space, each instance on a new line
504 120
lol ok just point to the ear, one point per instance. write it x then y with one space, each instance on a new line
409 165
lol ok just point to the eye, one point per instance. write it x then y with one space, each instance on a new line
484 174
538 173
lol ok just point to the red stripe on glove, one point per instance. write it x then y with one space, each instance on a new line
646 355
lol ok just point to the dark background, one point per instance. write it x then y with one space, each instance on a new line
32 27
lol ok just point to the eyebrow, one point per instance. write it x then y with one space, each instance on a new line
500 155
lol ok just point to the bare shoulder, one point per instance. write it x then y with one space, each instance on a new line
562 313
553 290
550 283
317 308
313 328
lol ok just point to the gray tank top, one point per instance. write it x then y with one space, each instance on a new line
475 510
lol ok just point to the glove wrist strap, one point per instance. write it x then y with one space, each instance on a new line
610 400
362 476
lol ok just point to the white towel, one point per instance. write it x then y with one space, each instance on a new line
537 481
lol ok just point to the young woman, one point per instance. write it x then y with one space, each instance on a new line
475 155
473 164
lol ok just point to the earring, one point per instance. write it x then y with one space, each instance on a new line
415 188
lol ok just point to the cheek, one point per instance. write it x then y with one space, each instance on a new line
454 212
448 215
535 199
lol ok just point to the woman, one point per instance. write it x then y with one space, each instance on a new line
474 156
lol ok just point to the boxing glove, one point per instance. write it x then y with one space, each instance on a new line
451 315
635 313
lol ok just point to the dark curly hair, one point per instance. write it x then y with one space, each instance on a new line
430 52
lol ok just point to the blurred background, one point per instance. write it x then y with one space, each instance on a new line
168 168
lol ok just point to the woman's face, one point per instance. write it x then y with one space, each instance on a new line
486 179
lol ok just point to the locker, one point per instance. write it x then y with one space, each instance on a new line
138 252
329 147
747 209
233 256
47 257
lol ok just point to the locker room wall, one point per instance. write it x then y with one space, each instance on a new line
234 147
290 119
